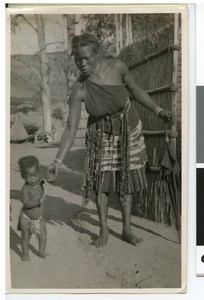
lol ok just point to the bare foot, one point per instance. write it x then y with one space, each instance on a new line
129 237
102 239
25 258
44 255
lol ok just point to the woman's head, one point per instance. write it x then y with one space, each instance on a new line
85 40
85 49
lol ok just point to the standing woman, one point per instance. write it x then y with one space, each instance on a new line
115 149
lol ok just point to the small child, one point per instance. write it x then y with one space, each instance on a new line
31 218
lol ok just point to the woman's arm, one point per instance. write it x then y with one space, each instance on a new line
138 93
69 133
141 95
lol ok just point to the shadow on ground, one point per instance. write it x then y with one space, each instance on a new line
59 212
15 243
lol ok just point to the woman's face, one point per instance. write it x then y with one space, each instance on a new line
85 59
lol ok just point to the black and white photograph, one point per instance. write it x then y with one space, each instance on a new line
97 127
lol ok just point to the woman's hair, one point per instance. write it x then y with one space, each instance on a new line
27 162
84 40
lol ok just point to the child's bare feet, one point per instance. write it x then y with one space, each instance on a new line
25 258
102 239
129 237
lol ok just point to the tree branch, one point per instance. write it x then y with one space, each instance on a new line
14 22
29 23
48 44
37 75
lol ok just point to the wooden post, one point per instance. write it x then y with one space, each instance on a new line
35 138
117 34
174 80
130 30
127 30
121 32
55 136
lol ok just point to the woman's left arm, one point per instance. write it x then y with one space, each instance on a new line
141 95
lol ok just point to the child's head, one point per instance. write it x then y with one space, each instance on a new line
29 168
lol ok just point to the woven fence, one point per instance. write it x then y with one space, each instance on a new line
152 62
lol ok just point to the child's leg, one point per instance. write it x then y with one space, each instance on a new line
102 208
42 238
25 234
126 209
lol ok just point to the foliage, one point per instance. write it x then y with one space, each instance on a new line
31 128
103 27
13 109
57 114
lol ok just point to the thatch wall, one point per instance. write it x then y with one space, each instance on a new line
151 62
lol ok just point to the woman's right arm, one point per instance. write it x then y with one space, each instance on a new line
69 133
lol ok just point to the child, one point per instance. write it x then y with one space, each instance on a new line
31 218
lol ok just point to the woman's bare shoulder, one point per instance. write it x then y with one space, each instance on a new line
118 64
77 91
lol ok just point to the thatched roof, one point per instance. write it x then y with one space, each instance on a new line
146 45
18 132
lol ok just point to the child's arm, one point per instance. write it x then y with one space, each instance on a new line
27 202
43 185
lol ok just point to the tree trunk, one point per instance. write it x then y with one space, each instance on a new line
78 24
70 31
73 28
45 73
62 106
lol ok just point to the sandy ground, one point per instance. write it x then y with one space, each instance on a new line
73 261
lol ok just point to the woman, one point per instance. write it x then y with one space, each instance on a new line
116 154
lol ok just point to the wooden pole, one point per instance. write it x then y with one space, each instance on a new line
130 29
127 30
121 31
117 34
154 55
175 79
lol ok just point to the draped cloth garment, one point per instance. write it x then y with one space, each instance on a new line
115 149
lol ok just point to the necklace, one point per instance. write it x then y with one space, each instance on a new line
33 186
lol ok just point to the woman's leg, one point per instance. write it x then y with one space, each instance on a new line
126 209
102 208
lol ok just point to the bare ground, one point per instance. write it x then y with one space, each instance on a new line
73 261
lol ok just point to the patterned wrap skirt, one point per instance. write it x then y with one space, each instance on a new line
115 163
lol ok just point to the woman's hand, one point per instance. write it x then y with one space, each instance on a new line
167 116
52 173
